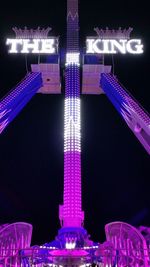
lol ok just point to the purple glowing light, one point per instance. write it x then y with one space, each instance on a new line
71 212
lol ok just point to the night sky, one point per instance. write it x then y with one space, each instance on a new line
115 166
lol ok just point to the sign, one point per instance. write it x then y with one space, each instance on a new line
113 46
33 46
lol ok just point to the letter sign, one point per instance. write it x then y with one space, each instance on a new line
113 46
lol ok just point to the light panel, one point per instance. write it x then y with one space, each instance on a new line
113 46
72 58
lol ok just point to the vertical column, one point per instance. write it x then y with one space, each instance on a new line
71 212
72 26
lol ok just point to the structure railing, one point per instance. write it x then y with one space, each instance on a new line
34 257
18 97
131 111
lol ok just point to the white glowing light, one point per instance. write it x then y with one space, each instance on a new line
85 265
112 46
13 45
120 46
33 46
70 245
72 127
134 46
72 58
48 46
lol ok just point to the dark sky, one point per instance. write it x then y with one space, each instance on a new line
115 167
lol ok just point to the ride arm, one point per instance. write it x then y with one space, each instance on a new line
18 97
132 112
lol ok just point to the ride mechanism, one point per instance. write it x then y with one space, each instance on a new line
125 245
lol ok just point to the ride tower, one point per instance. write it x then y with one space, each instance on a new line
72 233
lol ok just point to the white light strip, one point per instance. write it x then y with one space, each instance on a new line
72 58
72 127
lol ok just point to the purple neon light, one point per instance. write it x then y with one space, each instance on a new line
19 96
72 26
14 237
71 212
132 112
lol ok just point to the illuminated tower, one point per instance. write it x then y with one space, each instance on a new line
70 213
71 216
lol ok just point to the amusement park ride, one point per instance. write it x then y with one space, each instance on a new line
125 245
